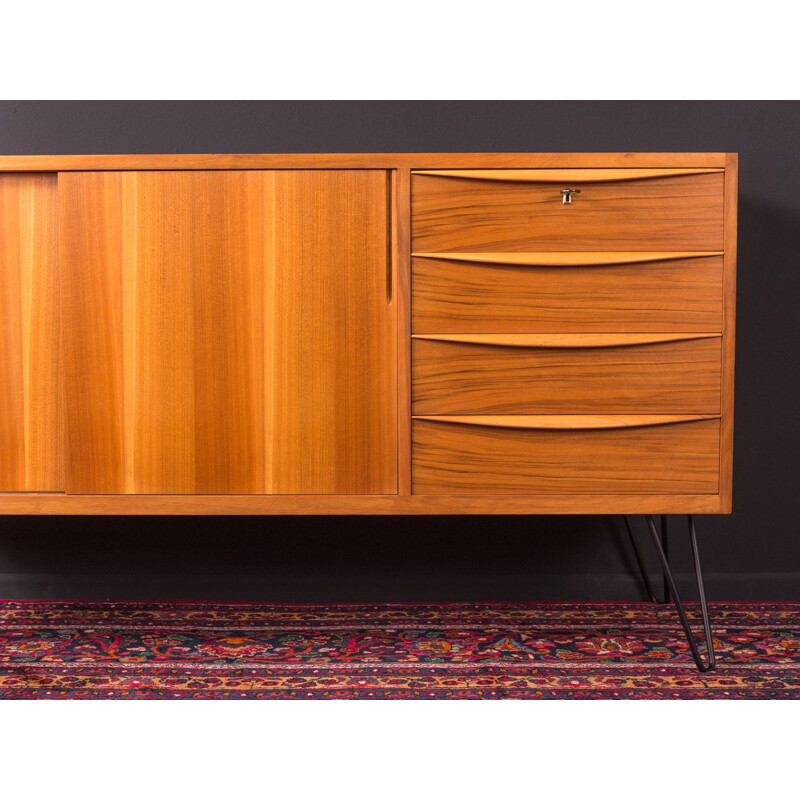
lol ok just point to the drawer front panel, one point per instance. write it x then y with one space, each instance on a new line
681 458
450 296
616 376
455 214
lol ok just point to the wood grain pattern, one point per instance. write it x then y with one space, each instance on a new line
335 368
228 277
729 331
462 215
563 175
402 254
192 161
31 429
213 346
465 459
673 377
682 296
540 503
566 422
563 339
91 269
568 259
537 310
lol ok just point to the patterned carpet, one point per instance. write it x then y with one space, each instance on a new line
397 651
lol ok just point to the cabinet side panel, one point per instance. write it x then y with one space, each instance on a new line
729 331
332 391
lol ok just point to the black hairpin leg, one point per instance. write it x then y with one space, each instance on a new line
670 582
642 570
645 577
665 547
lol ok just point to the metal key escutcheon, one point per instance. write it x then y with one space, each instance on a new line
566 196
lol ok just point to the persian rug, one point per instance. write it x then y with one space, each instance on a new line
179 650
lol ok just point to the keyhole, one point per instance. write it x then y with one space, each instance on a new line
566 196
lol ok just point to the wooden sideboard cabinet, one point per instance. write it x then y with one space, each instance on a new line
419 333
395 333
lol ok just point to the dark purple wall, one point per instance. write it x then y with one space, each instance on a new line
754 553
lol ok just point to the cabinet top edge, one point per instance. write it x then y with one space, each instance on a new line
200 161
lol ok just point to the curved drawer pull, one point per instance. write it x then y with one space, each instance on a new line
563 176
562 259
563 340
568 422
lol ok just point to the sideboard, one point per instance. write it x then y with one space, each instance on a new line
417 333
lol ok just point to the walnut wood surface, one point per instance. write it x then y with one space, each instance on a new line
677 377
462 215
643 263
463 459
214 346
564 175
334 368
191 161
452 297
540 503
563 339
402 302
567 422
569 259
729 331
31 429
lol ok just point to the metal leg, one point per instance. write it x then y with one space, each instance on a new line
703 667
645 577
665 546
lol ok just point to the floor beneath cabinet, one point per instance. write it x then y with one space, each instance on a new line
190 650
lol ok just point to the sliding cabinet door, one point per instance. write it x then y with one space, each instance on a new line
228 332
31 440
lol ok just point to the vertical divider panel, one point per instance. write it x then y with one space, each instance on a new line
402 254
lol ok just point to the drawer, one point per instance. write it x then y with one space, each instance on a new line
566 374
570 292
523 210
570 454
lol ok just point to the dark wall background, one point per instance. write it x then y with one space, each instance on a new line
752 554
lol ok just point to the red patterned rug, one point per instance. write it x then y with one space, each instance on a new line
394 651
